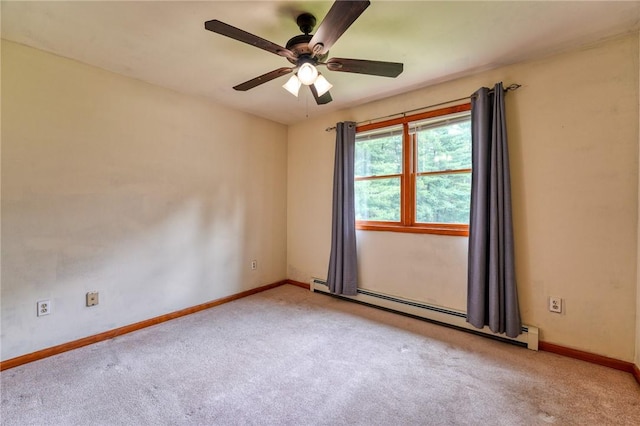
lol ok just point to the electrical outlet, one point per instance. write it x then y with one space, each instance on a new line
254 265
92 298
555 304
44 307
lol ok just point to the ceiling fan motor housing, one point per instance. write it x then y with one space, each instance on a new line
299 44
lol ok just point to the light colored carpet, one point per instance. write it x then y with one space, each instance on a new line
288 356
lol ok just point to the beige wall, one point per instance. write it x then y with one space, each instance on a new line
157 200
573 130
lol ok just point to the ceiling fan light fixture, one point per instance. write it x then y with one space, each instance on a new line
293 85
322 85
307 74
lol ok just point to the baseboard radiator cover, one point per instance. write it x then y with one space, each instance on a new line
432 313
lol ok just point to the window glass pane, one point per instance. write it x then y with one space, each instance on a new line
443 198
378 199
379 153
444 146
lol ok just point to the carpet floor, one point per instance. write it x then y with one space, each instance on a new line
291 357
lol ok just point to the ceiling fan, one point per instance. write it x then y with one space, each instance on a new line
306 51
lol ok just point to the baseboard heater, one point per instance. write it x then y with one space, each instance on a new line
431 313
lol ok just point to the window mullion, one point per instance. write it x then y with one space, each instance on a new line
444 172
408 177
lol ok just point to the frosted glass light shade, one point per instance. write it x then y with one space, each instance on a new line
293 85
322 85
307 74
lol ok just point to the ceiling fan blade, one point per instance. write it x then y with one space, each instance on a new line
340 17
263 79
361 66
320 100
245 37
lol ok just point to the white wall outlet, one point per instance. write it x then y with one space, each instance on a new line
555 304
92 298
254 265
44 307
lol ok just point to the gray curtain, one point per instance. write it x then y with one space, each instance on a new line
492 297
342 277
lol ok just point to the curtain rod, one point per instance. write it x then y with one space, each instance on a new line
509 88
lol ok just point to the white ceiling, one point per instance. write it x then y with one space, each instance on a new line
165 43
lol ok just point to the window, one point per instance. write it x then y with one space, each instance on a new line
413 174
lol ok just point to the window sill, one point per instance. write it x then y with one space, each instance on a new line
452 230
